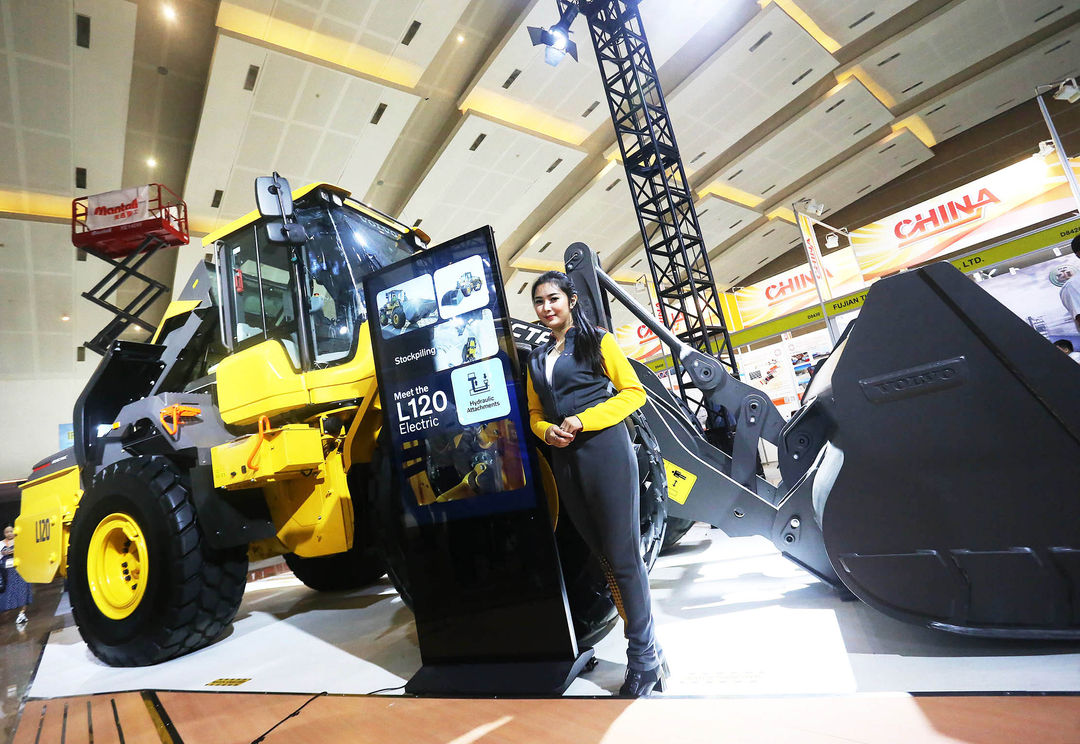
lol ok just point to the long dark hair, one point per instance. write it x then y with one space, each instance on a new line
587 341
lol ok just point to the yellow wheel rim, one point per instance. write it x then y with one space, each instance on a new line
117 566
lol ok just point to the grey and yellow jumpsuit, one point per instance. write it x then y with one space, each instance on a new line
597 473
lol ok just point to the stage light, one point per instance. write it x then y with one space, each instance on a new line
811 206
1068 91
557 39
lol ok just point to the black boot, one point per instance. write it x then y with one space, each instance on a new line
643 683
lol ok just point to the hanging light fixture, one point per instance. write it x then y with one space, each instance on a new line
557 38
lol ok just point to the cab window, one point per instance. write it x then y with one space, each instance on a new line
260 290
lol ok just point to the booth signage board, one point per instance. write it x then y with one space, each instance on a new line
1035 295
476 535
639 343
1026 193
793 290
984 259
835 307
783 370
1060 233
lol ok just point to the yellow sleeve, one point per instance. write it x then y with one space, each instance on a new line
630 395
536 410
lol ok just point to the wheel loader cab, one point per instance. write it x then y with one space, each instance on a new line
292 315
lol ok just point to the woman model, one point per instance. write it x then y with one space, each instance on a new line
16 591
573 409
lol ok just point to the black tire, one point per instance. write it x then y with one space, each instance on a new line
677 528
386 513
467 290
191 592
359 566
653 493
398 320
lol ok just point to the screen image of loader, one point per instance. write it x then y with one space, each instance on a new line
480 459
400 309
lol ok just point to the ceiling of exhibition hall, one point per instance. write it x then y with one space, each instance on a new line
442 113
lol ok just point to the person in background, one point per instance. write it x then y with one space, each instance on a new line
16 592
581 388
1066 346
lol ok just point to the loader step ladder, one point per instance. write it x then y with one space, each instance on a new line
125 230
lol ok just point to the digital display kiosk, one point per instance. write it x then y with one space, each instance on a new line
473 531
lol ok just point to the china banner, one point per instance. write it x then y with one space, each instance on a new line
1008 200
794 289
638 342
121 207
813 253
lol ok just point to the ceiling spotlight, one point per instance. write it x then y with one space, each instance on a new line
65 317
1068 91
460 39
557 39
169 12
151 162
1046 149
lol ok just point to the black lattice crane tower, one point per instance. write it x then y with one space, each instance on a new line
663 199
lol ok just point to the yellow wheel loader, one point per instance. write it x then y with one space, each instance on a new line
242 430
245 428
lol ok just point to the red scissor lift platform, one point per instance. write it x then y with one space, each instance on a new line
127 246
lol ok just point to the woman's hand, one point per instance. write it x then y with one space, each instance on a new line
556 437
571 425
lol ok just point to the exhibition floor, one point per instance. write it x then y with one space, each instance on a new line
742 628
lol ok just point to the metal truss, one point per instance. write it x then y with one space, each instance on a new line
663 199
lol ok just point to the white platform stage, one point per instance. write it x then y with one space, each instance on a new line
733 616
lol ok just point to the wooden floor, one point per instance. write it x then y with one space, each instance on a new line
204 718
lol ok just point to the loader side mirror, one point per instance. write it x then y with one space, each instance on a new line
289 233
273 196
274 199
